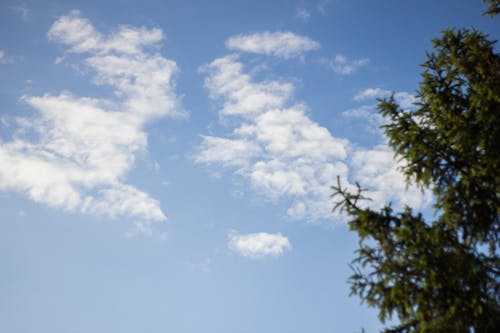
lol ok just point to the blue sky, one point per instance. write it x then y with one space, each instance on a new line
166 166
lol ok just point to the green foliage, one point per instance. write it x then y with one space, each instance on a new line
444 275
494 7
452 139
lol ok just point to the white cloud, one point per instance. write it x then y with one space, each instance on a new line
277 147
80 35
371 93
227 82
403 98
341 65
9 59
259 245
377 170
364 111
228 152
367 113
280 44
77 150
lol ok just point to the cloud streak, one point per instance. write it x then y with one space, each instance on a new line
279 44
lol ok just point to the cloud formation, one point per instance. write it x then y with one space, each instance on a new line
369 113
403 98
77 150
343 66
376 170
282 152
238 94
259 245
276 146
371 93
9 59
280 44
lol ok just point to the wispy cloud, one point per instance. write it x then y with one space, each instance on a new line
82 148
279 149
344 66
404 99
321 6
21 9
303 14
259 245
280 44
9 59
368 114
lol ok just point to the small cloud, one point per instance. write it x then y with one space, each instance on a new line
5 59
364 112
343 66
59 60
21 9
258 245
371 93
155 166
280 44
303 14
403 98
81 36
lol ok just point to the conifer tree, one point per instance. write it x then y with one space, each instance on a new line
441 275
